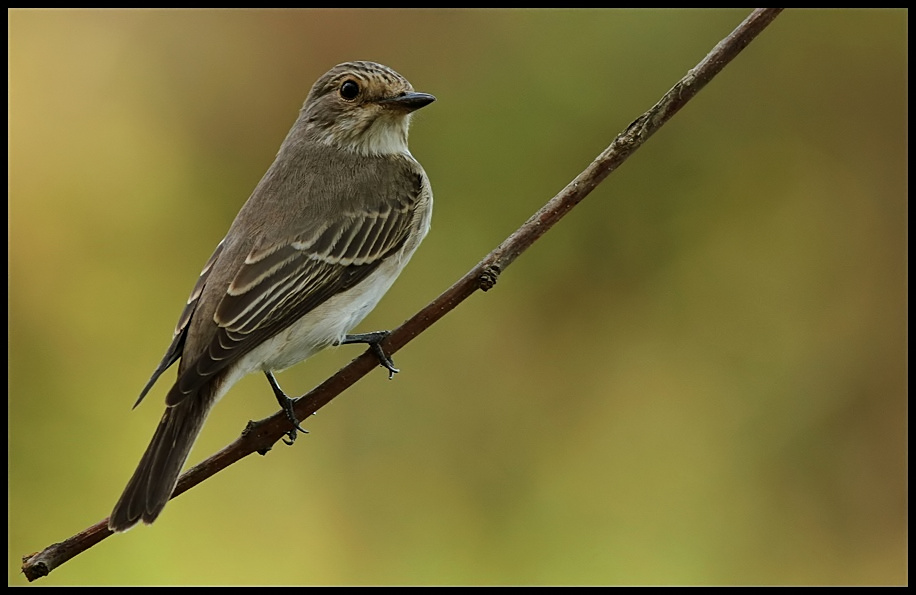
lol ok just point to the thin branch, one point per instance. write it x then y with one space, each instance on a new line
260 436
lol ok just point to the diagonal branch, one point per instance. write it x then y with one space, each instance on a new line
260 436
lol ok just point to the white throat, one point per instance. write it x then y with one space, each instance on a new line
385 136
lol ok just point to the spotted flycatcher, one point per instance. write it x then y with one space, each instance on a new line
323 236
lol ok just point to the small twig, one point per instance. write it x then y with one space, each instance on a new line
261 436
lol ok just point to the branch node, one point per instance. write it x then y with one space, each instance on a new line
250 433
488 277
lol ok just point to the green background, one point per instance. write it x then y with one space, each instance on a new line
698 377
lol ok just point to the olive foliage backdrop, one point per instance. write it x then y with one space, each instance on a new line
698 377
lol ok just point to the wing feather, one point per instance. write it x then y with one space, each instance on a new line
282 279
181 329
280 282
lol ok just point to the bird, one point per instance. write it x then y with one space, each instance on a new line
322 237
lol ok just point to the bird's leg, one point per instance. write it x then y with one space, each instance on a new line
287 405
374 340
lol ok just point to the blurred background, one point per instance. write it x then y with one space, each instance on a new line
698 377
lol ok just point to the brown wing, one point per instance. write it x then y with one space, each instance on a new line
181 329
279 283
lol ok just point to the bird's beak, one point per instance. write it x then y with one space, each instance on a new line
409 101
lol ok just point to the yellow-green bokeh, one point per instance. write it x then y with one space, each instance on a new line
698 377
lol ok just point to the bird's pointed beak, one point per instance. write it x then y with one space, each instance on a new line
409 101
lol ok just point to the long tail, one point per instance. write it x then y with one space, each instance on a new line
152 484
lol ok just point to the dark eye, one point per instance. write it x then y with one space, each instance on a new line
349 90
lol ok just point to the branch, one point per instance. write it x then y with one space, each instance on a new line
260 436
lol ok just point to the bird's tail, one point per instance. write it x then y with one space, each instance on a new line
154 480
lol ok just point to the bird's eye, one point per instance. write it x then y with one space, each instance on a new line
349 90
